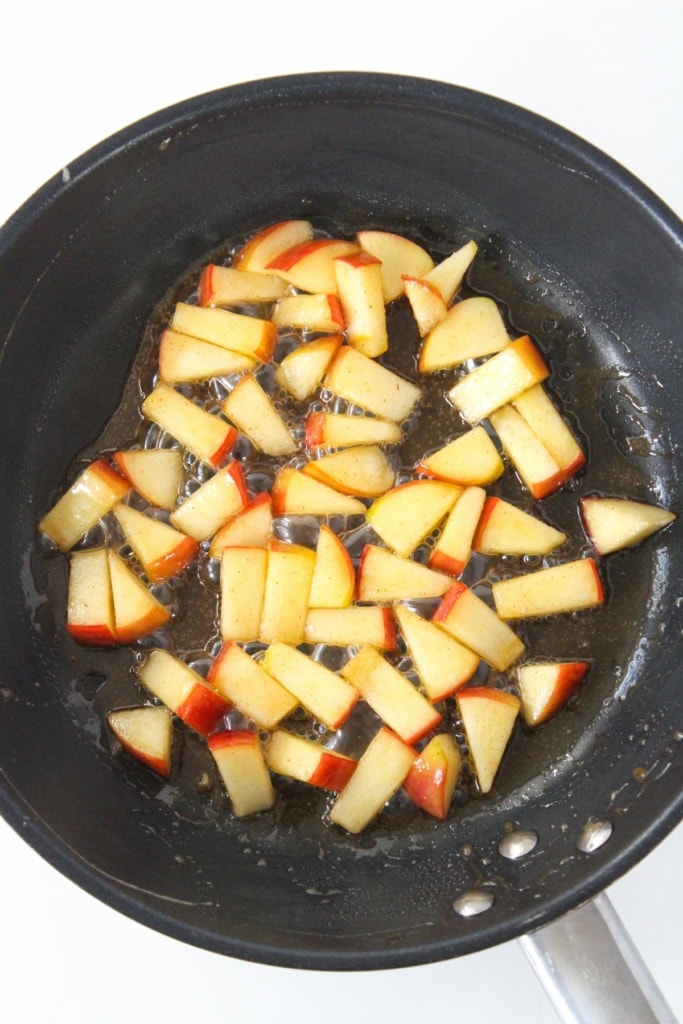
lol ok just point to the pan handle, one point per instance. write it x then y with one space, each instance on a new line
591 970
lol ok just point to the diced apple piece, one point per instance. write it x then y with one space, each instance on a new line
367 383
146 732
351 627
94 493
398 256
219 498
363 471
612 524
505 529
310 313
183 691
308 761
499 380
250 527
391 695
301 371
182 358
289 575
442 662
360 289
470 459
569 587
537 469
379 774
296 493
405 515
243 587
432 779
90 608
426 302
208 437
385 577
243 681
323 693
242 765
471 329
470 620
539 411
252 411
309 266
334 577
449 274
161 550
137 612
545 687
155 473
239 332
230 286
339 430
265 245
488 717
453 548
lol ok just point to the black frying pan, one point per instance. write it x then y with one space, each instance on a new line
590 263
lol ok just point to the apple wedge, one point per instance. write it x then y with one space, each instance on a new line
249 335
361 294
537 408
545 687
232 286
90 607
391 695
398 256
252 411
470 459
326 695
242 594
240 760
505 529
372 386
309 266
289 574
568 587
363 471
340 430
146 732
448 275
93 493
404 516
453 547
353 626
183 691
385 577
161 550
379 774
207 436
182 358
302 369
250 527
432 779
297 493
265 245
488 717
310 313
470 620
426 302
612 524
471 329
537 469
155 473
499 380
137 612
334 577
214 502
442 663
308 761
243 681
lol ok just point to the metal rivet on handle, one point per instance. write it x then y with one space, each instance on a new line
472 903
517 844
594 835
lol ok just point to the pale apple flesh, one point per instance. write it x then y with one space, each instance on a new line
612 524
240 759
379 774
545 687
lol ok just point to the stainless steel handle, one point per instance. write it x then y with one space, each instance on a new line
591 970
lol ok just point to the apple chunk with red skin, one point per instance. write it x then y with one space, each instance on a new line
453 547
250 527
448 275
146 732
406 514
90 607
229 286
309 266
471 459
216 501
471 329
363 471
371 385
239 332
398 256
253 412
505 529
183 691
379 774
155 473
208 437
297 493
341 430
385 577
488 717
360 289
568 587
432 779
289 574
241 762
545 687
94 493
612 524
265 245
244 683
334 577
302 369
324 693
309 313
538 470
308 761
137 612
242 594
426 302
161 550
470 620
182 358
499 380
442 663
353 626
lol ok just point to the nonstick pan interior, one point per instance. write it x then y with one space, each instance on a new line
588 262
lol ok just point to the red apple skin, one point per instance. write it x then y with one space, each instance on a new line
332 772
132 631
441 562
174 562
569 678
447 601
530 355
225 448
390 630
553 483
113 478
290 257
236 472
206 288
231 738
314 429
426 784
93 635
599 587
203 709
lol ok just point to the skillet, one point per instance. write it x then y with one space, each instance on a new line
590 263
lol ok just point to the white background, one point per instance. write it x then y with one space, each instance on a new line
70 75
